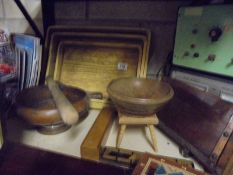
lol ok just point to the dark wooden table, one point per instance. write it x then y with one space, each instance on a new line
17 159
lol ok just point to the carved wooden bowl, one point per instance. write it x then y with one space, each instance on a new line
36 106
139 96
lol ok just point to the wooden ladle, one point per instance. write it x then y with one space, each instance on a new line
67 111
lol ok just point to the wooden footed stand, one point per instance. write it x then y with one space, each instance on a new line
127 119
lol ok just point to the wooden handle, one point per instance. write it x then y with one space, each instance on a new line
67 112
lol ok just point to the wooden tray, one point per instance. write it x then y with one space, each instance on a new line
94 29
133 39
92 65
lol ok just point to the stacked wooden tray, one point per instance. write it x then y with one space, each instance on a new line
90 57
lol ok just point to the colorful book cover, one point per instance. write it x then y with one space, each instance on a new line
150 164
31 58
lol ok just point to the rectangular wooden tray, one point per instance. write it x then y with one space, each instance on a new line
92 65
57 37
94 29
102 29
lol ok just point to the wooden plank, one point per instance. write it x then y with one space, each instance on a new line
229 167
226 155
91 146
153 120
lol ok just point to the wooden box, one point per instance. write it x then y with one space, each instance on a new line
202 125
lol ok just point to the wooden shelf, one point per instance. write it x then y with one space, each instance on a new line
24 160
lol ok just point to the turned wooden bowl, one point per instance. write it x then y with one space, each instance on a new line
36 106
139 96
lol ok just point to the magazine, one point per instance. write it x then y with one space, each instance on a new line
28 53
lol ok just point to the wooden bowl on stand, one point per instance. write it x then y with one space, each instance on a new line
137 100
139 96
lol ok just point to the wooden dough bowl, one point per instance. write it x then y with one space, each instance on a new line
138 96
36 106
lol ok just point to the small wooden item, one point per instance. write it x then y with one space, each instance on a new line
91 146
126 119
66 110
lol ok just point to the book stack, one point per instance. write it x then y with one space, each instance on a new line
28 51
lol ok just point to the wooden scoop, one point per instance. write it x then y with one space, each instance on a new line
67 112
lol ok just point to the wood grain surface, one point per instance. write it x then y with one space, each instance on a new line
196 120
91 146
139 96
92 65
91 29
60 36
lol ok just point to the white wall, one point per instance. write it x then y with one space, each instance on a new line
13 21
